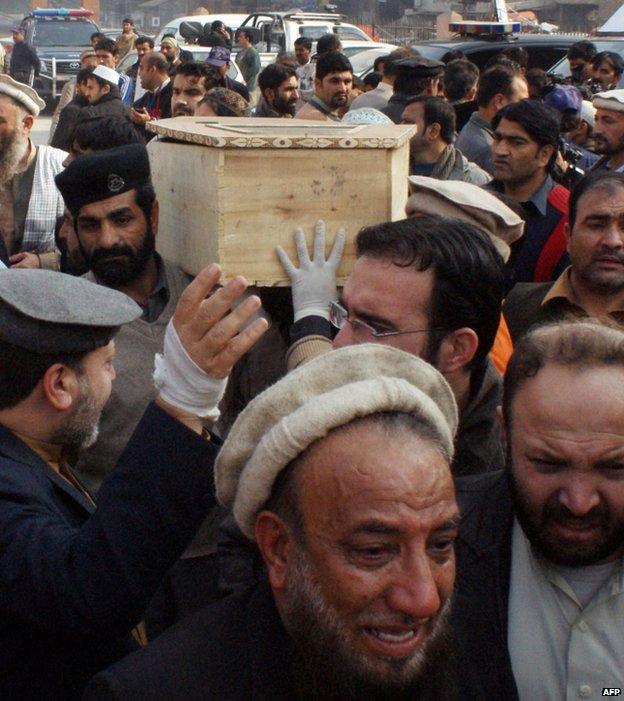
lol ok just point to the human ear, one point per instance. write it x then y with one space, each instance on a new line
457 349
275 544
60 386
155 216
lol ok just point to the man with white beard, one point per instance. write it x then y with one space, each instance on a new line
340 474
29 201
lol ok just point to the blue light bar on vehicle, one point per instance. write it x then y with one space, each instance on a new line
61 12
484 28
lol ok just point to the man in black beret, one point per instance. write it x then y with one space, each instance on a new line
74 580
414 76
116 220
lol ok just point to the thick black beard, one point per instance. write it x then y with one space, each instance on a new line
561 553
284 107
322 671
115 271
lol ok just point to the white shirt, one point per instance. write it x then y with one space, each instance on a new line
561 650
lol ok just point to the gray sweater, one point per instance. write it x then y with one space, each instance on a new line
133 389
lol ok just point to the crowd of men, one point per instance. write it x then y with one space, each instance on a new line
411 487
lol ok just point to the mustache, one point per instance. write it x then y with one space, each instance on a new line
615 254
559 513
102 254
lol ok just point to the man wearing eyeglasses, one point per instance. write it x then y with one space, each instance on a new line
431 286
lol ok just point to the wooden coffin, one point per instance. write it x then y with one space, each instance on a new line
231 190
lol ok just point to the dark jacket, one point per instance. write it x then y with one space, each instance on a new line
109 105
23 58
67 121
396 105
479 445
236 650
73 580
234 85
159 106
483 552
523 308
540 255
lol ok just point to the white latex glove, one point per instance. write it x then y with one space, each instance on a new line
313 284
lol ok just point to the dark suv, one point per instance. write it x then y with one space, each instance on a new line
61 35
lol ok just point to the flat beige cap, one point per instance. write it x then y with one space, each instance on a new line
609 100
24 94
330 391
470 203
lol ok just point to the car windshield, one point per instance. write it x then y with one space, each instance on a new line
63 33
313 32
364 60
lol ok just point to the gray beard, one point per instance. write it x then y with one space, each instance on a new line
82 426
327 668
12 151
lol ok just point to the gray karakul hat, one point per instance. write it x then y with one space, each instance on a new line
103 174
45 311
323 394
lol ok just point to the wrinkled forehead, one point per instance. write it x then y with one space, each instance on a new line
371 468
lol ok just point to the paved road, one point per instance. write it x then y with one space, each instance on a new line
41 130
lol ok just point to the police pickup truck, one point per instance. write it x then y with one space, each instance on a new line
59 37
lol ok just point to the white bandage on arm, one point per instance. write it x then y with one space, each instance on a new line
184 384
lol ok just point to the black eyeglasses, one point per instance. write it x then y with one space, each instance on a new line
339 316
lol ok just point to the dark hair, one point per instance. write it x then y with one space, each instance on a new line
246 32
217 24
469 273
460 77
328 43
538 79
211 76
97 35
273 76
373 79
128 19
437 110
610 57
306 42
452 55
584 343
494 81
601 179
517 54
332 62
540 122
101 133
378 62
83 74
409 84
154 59
585 50
144 40
389 69
107 45
22 369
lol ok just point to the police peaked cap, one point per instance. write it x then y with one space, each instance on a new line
103 174
45 311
